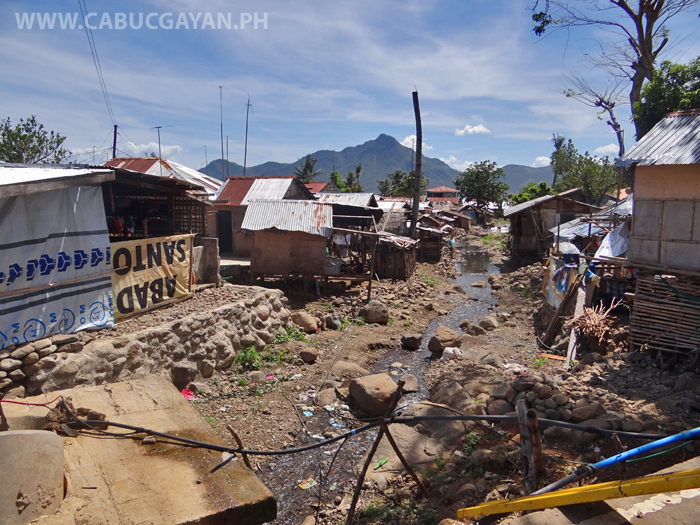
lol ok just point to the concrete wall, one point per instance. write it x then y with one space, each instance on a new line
208 267
242 243
666 221
184 349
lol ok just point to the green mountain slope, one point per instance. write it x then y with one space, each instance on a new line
378 157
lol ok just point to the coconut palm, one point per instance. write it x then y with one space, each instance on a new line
306 170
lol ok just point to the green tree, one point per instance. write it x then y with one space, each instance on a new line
594 176
673 88
29 143
482 182
400 184
530 191
637 31
335 179
306 170
352 180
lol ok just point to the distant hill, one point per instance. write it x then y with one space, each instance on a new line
378 157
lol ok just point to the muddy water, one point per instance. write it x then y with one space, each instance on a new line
284 474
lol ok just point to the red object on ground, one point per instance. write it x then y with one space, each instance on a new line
187 393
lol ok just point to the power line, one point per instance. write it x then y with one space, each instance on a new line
96 59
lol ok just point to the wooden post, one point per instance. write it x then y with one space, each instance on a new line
371 268
534 427
529 480
417 174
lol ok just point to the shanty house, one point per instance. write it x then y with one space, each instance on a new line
290 237
665 165
232 202
531 221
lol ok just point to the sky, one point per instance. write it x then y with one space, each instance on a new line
319 75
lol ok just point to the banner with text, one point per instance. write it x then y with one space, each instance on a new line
147 273
54 264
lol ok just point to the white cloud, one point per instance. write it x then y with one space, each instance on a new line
410 142
541 161
479 129
141 150
610 149
452 162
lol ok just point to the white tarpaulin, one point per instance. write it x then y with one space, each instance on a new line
616 243
55 264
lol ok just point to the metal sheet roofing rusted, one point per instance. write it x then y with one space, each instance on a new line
311 217
674 140
529 204
234 190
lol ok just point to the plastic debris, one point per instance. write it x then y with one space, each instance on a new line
187 394
316 436
344 407
450 353
329 408
381 463
311 482
222 409
514 367
333 486
335 424
226 456
459 453
296 376
308 414
270 378
311 395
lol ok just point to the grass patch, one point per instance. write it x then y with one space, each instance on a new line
291 333
242 382
428 279
376 509
211 420
249 359
527 292
540 362
274 356
471 443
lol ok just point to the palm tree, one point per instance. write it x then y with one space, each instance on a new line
306 170
352 180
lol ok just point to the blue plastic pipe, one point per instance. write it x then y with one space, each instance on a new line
587 470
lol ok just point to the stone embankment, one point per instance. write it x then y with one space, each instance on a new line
183 349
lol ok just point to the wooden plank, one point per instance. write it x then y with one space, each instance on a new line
530 479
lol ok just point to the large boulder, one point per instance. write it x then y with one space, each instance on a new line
346 369
411 341
488 323
305 321
443 338
332 321
485 355
309 354
590 411
373 394
375 313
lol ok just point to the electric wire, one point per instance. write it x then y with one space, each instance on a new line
96 59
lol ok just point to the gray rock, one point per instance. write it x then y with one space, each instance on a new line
348 369
332 321
16 375
587 412
30 359
488 323
256 376
410 383
443 338
47 351
10 364
183 373
199 388
23 351
305 321
476 330
75 346
499 407
503 391
480 457
60 340
411 341
479 284
207 367
326 397
375 313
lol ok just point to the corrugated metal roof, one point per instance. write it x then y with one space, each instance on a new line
674 140
352 199
169 170
311 217
234 190
27 173
443 189
267 188
577 228
529 204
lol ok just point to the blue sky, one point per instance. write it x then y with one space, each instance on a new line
323 75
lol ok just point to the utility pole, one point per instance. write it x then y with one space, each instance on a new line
221 104
227 156
160 158
245 151
417 175
412 148
114 144
93 157
206 161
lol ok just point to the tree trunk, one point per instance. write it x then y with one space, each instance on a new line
417 174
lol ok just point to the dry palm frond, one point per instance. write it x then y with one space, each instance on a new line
594 322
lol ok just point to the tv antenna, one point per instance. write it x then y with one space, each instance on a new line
245 150
160 157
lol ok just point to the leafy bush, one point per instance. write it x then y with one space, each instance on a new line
471 443
291 333
249 359
427 279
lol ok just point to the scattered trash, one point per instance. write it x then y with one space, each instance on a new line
311 482
270 378
513 367
381 463
329 408
459 453
396 365
308 414
393 373
187 394
344 407
222 409
296 376
333 486
148 440
311 395
335 424
450 353
316 436
227 456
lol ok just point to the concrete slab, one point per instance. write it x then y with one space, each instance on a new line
232 260
121 481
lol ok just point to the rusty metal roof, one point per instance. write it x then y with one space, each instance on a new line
311 217
442 189
674 140
234 190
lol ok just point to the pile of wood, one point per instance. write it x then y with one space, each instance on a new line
594 323
666 314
